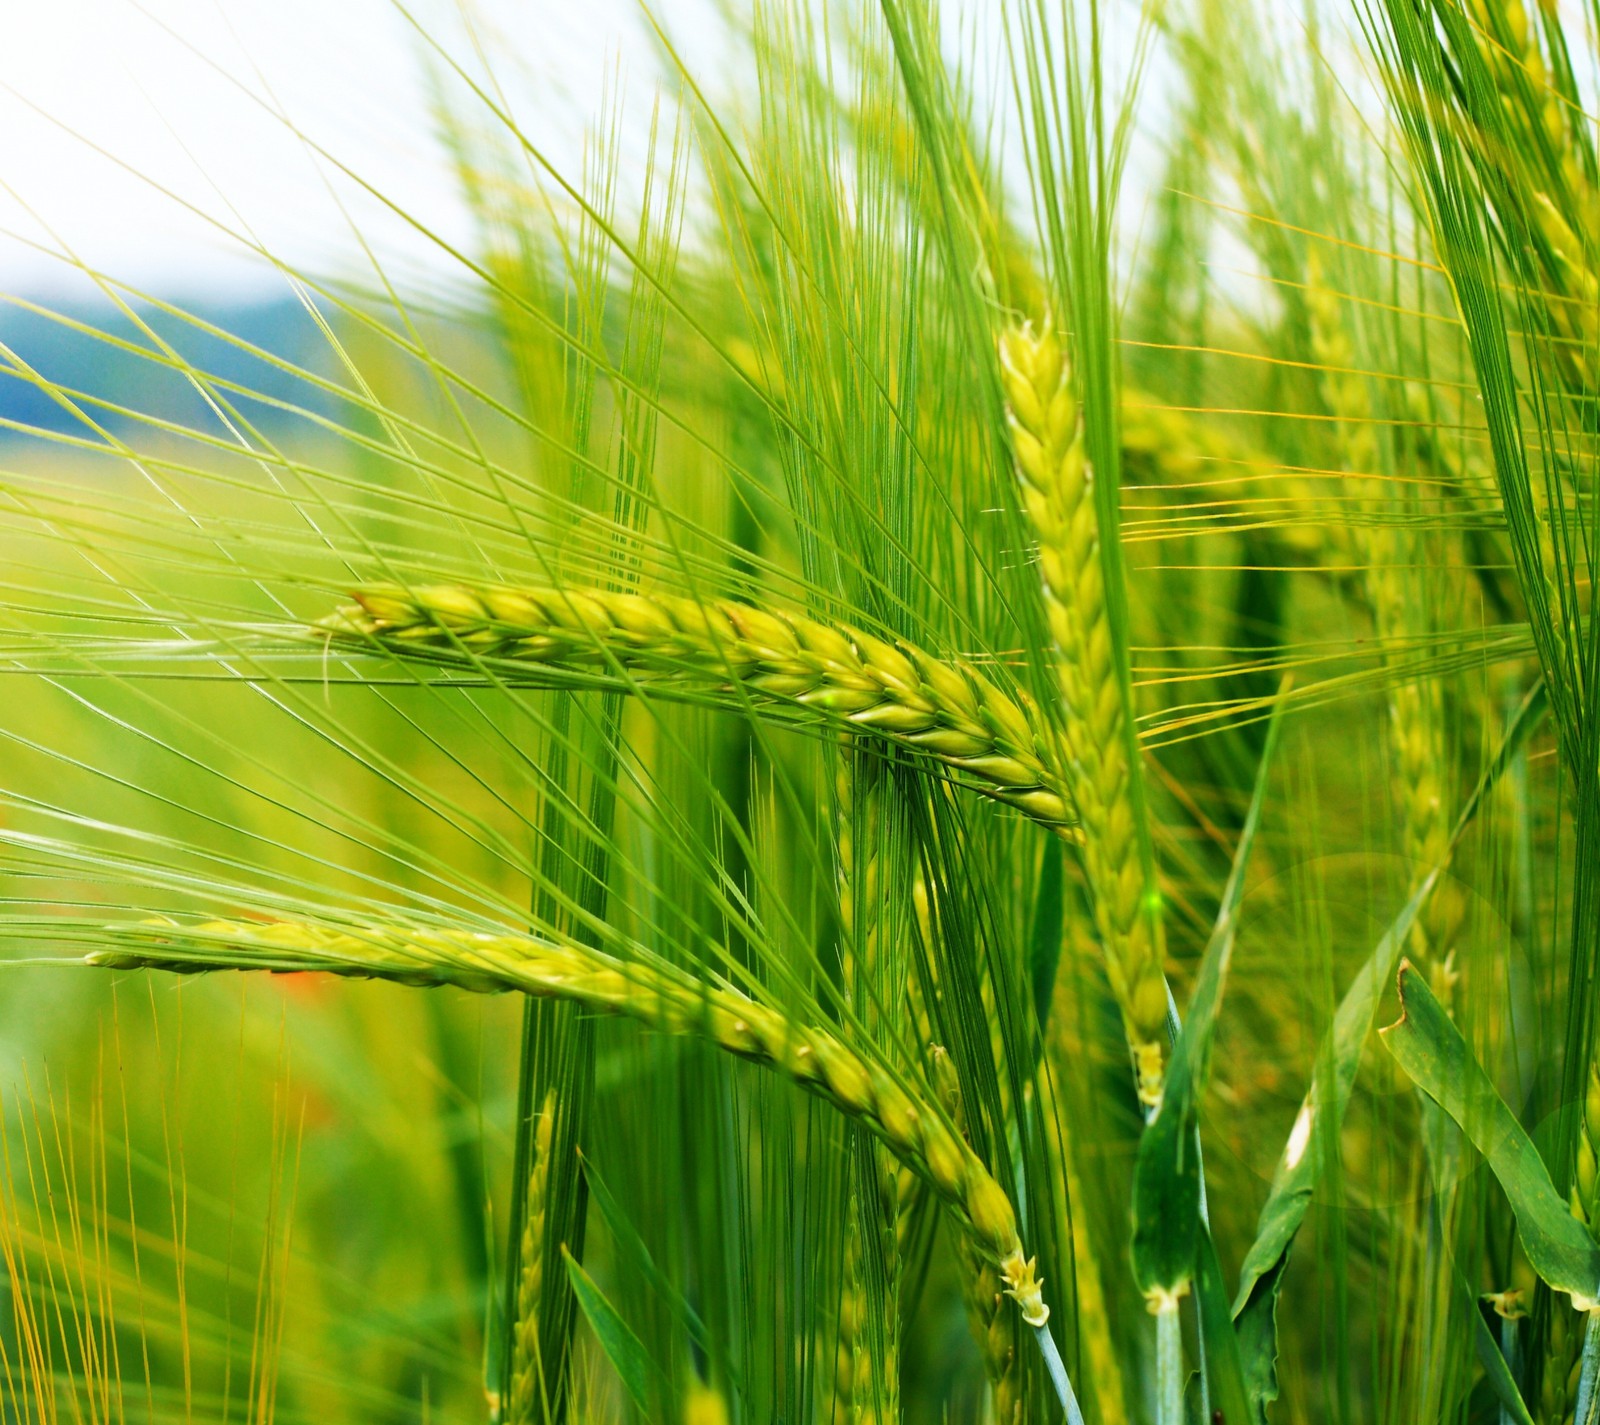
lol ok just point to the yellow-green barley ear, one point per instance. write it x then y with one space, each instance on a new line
672 1001
1058 496
883 692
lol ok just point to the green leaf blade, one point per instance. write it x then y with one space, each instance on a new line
1429 1047
622 1348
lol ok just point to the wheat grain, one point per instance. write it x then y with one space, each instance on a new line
525 1365
664 998
872 687
1057 489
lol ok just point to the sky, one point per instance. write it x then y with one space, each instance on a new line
129 129
139 134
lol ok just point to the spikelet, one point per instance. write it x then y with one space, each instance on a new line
1058 497
525 1366
872 688
665 998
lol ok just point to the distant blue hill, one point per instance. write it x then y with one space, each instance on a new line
79 361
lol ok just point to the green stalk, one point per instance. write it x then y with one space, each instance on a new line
1056 1368
1584 1411
557 1053
1169 1363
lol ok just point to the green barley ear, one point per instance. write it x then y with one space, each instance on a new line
867 1352
526 1368
1057 483
852 1369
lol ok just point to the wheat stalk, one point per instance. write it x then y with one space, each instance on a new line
656 995
1057 490
525 1365
874 688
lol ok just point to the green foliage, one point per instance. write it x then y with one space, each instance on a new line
894 563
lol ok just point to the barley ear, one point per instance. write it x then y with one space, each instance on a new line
665 998
852 1366
878 691
1057 484
867 1356
526 1368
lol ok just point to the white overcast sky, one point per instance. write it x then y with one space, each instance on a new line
101 99
156 85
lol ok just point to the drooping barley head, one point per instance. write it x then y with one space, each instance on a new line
875 689
667 999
